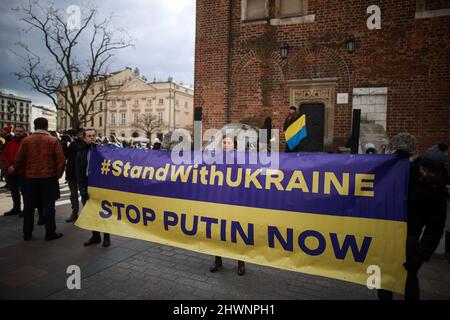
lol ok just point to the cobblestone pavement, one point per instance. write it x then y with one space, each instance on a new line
133 269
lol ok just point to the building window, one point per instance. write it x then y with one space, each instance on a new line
186 105
92 91
100 121
373 104
160 117
432 8
113 118
255 9
136 102
149 117
124 103
149 102
161 101
136 118
289 8
114 103
123 118
101 106
92 121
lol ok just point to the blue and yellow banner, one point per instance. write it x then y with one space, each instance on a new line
324 214
296 132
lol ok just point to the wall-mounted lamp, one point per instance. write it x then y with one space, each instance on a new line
284 50
350 45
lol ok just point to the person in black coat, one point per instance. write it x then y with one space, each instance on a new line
291 118
427 212
71 152
81 169
228 144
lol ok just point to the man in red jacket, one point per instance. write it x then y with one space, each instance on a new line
41 158
13 176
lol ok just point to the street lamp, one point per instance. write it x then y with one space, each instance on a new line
284 50
350 45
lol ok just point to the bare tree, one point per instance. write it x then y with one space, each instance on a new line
79 57
149 124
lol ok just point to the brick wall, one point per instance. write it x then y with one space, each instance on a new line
239 72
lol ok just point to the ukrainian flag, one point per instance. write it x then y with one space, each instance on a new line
296 132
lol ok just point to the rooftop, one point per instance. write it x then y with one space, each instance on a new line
13 96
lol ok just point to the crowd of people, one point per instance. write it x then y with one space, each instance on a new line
33 165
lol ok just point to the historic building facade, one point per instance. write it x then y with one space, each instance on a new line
125 110
390 59
15 110
47 113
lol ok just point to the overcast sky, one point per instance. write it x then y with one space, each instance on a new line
164 33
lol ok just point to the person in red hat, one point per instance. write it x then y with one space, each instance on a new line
7 137
13 176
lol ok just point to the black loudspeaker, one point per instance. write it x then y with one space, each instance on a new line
198 114
355 130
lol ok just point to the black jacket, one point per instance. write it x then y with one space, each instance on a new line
290 120
427 208
71 153
81 168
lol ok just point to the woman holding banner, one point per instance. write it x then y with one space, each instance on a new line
228 144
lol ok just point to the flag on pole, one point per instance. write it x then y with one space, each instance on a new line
296 132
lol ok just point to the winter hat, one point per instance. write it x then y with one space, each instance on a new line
403 141
435 157
8 129
370 147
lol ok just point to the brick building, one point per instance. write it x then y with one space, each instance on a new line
391 59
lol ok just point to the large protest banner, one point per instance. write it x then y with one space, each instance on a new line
338 216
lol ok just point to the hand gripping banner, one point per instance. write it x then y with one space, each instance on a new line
333 215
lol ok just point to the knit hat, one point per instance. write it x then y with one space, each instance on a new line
404 142
8 129
435 157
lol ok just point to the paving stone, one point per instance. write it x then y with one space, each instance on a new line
134 269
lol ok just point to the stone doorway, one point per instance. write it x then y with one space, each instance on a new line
319 93
315 124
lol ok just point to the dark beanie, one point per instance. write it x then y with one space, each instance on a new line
435 157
